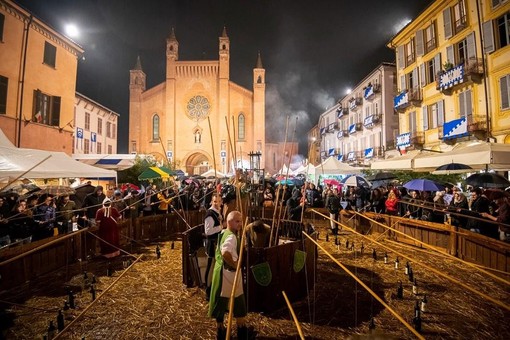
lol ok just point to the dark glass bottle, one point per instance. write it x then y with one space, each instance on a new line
158 252
406 269
327 237
51 331
347 244
415 287
400 291
411 274
60 321
172 246
374 254
93 293
397 263
70 299
362 249
424 302
109 269
385 258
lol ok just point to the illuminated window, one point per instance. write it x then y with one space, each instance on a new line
87 121
99 148
46 109
155 127
86 146
241 127
99 126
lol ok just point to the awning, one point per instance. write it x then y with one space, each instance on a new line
398 162
153 173
476 154
108 161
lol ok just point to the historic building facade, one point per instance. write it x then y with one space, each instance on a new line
453 64
362 126
198 116
96 127
37 81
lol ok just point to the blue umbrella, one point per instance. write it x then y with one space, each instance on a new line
288 182
421 184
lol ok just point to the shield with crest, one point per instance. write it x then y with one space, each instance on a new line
299 260
262 273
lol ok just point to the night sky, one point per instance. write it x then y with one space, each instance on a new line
312 50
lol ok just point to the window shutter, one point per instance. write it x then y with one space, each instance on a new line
495 3
462 103
400 57
415 83
420 48
437 64
503 85
412 122
425 118
450 56
440 113
447 19
469 106
423 79
55 111
488 37
402 83
471 47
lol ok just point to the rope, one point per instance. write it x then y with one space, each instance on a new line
400 318
497 302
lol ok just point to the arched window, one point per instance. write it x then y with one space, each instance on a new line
241 127
155 127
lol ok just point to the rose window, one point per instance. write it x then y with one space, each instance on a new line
198 107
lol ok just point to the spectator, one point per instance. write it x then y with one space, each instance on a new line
119 203
334 207
460 206
413 210
377 201
106 218
268 196
92 203
479 204
45 219
503 217
21 222
295 206
66 211
437 214
391 203
164 202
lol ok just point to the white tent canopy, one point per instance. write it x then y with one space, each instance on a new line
475 154
107 161
399 162
32 163
332 166
210 172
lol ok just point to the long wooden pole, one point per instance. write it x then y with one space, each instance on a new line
234 138
400 318
485 296
24 173
212 147
500 279
296 322
97 299
232 151
236 277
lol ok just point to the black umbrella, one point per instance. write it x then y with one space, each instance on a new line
382 176
452 168
487 180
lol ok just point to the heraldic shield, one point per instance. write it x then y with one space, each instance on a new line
299 260
262 273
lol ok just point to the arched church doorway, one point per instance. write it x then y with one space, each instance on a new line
197 164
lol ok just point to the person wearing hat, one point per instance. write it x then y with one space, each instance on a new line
92 203
106 219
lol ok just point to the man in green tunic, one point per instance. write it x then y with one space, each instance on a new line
227 255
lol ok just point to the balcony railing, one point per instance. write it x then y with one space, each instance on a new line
354 103
372 120
440 133
460 24
469 70
342 134
332 127
477 123
417 138
415 96
342 111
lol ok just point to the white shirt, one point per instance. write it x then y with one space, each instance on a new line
230 245
209 227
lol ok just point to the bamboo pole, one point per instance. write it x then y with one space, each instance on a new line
274 215
500 279
234 139
497 302
97 299
400 318
296 322
232 151
24 173
212 147
236 277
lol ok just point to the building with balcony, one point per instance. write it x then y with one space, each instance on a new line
453 69
314 146
362 125
37 81
96 127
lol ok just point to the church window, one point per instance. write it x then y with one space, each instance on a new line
224 47
198 108
241 127
155 127
259 80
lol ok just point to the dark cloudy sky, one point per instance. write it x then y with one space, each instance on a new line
312 50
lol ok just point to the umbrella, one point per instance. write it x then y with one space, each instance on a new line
332 182
270 180
285 182
56 190
487 180
421 184
491 193
356 181
153 173
382 176
452 168
130 186
198 177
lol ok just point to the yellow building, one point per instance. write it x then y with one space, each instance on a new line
37 81
173 117
453 66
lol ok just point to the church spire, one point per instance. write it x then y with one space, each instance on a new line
172 35
259 61
224 33
138 65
